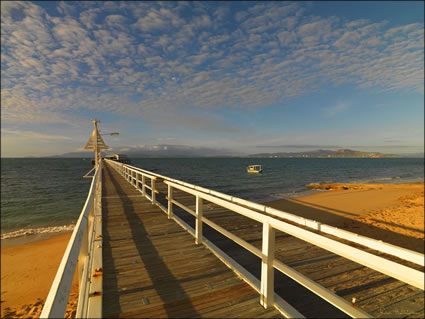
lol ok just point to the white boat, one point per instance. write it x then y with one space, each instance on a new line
254 169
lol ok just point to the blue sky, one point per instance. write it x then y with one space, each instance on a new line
238 77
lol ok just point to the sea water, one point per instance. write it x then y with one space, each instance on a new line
46 195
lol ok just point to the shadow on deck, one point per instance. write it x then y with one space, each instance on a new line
152 268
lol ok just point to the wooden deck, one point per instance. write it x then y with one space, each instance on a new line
150 239
376 293
152 267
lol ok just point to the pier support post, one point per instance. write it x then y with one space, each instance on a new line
267 270
137 181
170 201
198 228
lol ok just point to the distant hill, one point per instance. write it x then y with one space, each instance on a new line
162 150
327 154
75 155
187 151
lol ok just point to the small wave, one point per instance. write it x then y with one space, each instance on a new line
296 193
390 180
386 178
322 182
36 231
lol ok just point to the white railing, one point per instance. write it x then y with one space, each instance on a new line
378 245
84 251
270 224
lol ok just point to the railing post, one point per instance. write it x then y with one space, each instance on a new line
267 270
153 191
143 185
198 229
137 181
170 201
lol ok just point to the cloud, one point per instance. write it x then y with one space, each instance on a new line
32 135
115 20
337 108
167 61
395 146
158 19
167 150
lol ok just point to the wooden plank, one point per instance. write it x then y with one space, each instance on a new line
152 266
141 239
211 282
332 271
133 302
238 311
180 308
383 302
418 314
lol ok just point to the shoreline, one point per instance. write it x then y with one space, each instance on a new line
31 238
24 235
393 213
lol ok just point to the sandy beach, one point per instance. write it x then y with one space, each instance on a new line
27 272
393 213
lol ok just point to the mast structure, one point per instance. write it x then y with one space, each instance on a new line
96 143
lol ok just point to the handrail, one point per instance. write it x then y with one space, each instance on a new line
83 250
269 263
390 268
378 245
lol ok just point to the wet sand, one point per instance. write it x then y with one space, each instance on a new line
393 213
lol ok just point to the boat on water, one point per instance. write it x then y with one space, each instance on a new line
254 169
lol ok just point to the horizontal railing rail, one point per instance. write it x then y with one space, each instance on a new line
378 245
270 225
83 252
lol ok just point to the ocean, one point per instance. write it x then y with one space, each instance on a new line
46 195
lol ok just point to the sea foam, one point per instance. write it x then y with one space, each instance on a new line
36 231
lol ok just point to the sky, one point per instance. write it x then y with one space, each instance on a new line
232 77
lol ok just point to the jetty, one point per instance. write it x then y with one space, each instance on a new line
147 245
